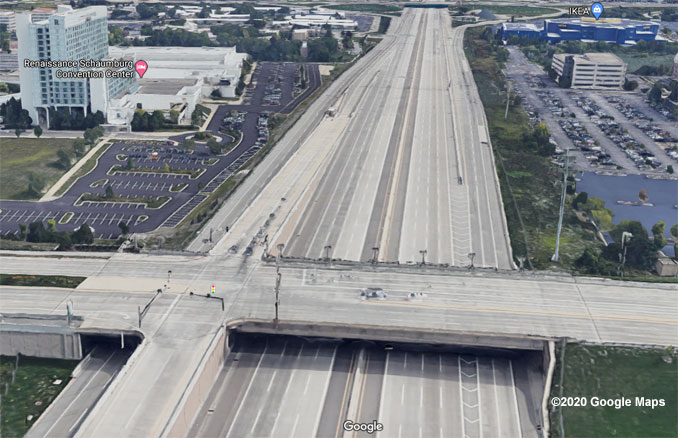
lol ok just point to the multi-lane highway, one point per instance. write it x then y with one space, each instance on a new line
403 164
286 386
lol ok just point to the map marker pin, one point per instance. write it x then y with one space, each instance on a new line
597 10
141 67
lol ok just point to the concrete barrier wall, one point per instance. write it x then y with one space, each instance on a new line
389 334
199 387
53 344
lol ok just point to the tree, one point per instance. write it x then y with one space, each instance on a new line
130 164
643 196
91 135
83 235
37 131
109 194
63 159
174 116
79 147
214 146
36 183
542 137
658 235
603 218
669 169
630 85
674 234
655 94
23 231
674 91
581 198
18 132
640 250
37 233
124 228
14 115
188 144
166 167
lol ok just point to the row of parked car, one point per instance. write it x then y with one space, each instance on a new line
641 121
635 150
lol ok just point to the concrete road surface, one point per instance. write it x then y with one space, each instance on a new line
286 386
403 165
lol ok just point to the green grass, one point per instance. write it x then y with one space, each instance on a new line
178 187
637 60
360 7
615 372
530 183
21 156
31 392
86 168
40 280
524 11
20 245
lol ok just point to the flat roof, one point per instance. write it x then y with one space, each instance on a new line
164 86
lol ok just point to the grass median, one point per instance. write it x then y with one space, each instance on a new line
40 280
86 168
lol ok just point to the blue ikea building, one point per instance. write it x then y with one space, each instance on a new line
611 30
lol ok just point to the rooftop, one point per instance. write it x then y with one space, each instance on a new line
164 86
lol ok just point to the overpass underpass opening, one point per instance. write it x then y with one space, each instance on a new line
282 385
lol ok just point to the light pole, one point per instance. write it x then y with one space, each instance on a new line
562 205
375 254
622 255
521 260
471 256
423 253
169 275
327 252
278 279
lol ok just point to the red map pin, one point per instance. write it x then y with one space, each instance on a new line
141 67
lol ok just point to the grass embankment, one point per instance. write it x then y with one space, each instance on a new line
613 373
20 157
518 11
86 168
37 382
40 280
530 183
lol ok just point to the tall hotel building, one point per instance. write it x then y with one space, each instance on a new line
64 35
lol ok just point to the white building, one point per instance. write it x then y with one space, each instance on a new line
177 78
64 35
8 19
590 70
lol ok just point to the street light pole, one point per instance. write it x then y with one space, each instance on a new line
278 279
423 253
562 205
471 255
327 252
169 275
622 256
375 254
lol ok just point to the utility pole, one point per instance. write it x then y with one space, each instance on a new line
278 279
423 253
562 205
471 256
375 254
508 98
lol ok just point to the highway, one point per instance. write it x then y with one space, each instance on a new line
286 386
403 165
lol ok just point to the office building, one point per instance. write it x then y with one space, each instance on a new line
64 35
8 20
591 70
611 30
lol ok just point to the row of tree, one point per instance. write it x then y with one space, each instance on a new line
37 233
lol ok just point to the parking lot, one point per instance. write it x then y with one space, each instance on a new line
178 180
603 131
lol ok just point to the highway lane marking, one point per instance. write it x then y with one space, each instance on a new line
526 312
325 391
496 394
515 397
249 386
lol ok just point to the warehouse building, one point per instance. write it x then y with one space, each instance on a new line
611 30
590 70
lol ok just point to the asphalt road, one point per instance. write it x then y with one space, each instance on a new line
65 415
385 170
286 386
